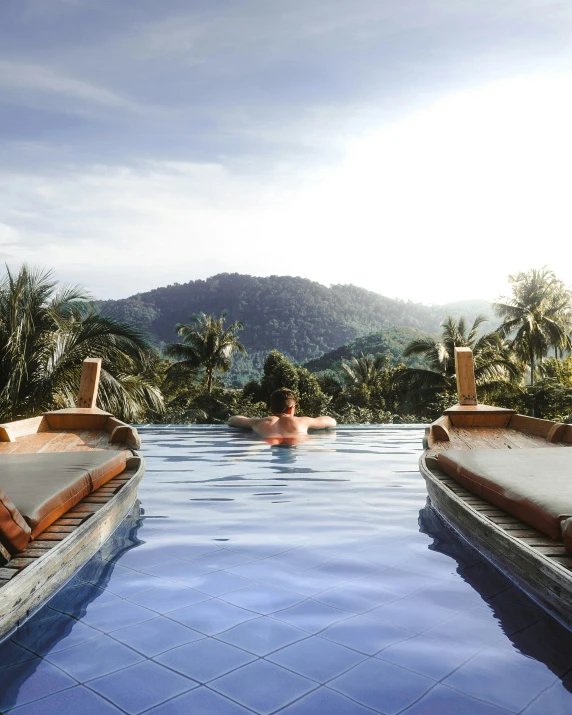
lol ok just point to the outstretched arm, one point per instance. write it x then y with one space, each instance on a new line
321 422
239 421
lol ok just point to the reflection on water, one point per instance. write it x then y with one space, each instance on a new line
314 574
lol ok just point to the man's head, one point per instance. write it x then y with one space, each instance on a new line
282 401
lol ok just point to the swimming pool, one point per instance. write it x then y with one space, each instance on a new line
306 579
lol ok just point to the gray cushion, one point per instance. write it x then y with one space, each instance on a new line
45 486
535 485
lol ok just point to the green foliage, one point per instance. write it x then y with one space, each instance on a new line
45 334
537 316
206 346
391 342
280 372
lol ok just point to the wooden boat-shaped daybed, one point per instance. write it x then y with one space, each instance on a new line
67 480
504 482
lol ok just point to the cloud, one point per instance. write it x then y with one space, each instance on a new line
31 80
444 205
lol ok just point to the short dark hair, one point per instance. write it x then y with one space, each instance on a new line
281 400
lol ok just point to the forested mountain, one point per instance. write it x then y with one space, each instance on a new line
390 341
299 317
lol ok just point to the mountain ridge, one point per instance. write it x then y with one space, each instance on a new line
301 318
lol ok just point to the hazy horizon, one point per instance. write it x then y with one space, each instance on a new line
419 150
453 300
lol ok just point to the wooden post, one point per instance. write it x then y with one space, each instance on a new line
465 369
89 384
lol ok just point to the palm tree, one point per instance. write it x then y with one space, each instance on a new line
367 370
537 316
46 333
493 363
206 345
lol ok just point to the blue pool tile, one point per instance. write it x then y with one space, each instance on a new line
317 659
555 700
156 636
486 579
311 616
69 702
218 583
263 599
201 701
305 583
30 681
125 582
114 616
258 550
190 551
75 599
262 686
475 625
222 559
177 570
301 559
446 701
548 642
141 686
429 656
94 658
211 617
262 635
411 615
169 597
204 660
432 564
53 632
345 569
141 556
355 596
502 677
456 595
325 702
11 654
260 570
382 686
517 610
398 581
365 634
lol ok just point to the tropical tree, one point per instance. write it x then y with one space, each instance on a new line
47 331
537 317
207 345
493 362
367 370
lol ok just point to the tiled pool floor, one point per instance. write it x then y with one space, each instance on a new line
306 580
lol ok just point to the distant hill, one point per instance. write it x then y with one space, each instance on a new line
301 318
390 341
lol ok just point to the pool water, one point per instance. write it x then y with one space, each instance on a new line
296 579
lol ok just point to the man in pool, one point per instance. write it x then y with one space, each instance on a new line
282 423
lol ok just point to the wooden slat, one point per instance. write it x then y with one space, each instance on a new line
89 384
10 431
6 573
82 508
69 521
53 529
532 425
465 373
52 537
20 563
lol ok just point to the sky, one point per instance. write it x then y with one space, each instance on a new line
418 148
